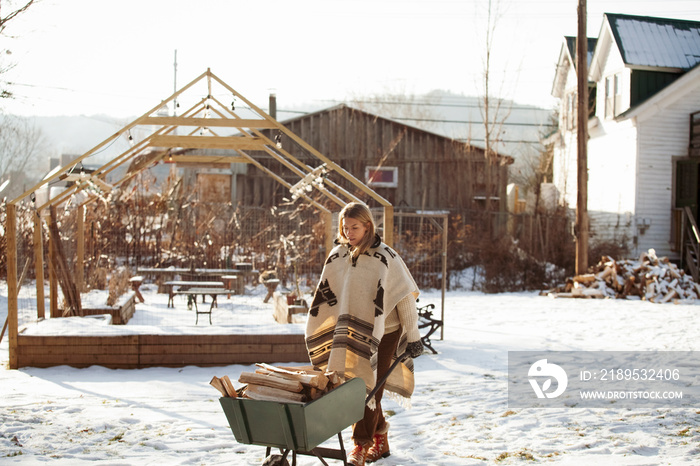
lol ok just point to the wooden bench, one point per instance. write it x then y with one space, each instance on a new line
232 283
283 309
426 320
184 285
135 285
192 298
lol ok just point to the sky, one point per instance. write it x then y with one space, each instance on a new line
460 414
82 57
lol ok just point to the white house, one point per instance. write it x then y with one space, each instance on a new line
644 83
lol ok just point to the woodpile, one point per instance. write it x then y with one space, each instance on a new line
650 278
281 384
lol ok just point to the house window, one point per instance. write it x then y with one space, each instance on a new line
382 177
613 95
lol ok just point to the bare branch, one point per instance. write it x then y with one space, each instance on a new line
6 19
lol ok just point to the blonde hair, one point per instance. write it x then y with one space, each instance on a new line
361 213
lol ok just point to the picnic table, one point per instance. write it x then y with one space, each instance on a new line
193 292
184 285
194 274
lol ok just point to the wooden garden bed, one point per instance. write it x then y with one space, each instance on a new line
141 351
121 312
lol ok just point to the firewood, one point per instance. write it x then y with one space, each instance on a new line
313 393
271 381
316 380
669 296
586 278
219 385
333 379
266 393
605 273
308 369
228 385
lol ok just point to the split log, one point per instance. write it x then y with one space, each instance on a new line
314 379
219 385
265 393
272 381
669 296
224 386
585 278
228 385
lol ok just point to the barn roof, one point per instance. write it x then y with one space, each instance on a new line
656 42
350 108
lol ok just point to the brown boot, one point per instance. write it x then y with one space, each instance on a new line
379 449
358 455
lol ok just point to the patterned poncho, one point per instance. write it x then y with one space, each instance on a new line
346 319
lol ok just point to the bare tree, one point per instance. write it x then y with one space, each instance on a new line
492 112
22 146
5 18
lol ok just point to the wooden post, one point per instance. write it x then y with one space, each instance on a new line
53 282
39 266
330 234
80 259
12 321
389 225
582 141
445 227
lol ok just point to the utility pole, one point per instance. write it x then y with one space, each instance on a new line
582 143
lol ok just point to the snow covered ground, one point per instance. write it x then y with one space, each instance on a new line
460 413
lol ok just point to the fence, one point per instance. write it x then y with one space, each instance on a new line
125 238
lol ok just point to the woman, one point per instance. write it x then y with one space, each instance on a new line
363 315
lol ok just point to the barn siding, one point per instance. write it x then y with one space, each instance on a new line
434 172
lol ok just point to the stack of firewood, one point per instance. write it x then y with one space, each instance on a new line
282 384
650 278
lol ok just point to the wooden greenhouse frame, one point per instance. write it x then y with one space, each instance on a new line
198 127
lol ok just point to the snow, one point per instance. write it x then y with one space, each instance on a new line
459 413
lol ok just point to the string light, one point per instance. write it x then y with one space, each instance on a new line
315 178
278 139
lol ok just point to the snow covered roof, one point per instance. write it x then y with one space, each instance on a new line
656 42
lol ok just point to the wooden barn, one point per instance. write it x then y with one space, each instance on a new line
411 168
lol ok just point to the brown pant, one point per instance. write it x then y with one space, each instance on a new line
363 431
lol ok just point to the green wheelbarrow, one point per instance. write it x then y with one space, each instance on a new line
298 428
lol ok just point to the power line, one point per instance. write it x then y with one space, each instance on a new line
505 123
430 104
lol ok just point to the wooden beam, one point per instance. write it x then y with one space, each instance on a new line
12 322
39 267
206 142
388 230
80 250
330 234
201 159
207 122
53 283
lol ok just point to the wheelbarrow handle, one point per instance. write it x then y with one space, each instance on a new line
382 381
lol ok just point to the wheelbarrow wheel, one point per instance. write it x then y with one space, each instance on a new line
275 460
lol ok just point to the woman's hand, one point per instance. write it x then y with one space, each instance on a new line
414 348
